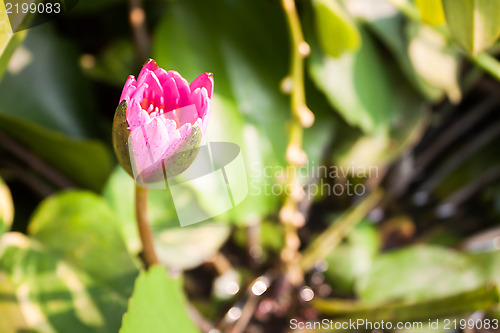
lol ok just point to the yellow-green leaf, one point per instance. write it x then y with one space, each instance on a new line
431 11
336 31
6 208
474 24
8 39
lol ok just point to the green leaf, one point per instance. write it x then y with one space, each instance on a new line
12 316
8 39
482 298
6 208
182 248
389 28
44 85
8 43
336 31
431 11
86 162
157 305
419 273
435 60
357 85
352 259
47 294
473 23
82 228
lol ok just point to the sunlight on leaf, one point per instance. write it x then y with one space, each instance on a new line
337 32
431 11
157 305
473 23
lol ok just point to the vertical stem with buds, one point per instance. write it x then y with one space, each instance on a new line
290 216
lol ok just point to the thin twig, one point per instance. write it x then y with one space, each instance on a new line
464 194
246 314
454 132
141 208
137 19
201 322
466 151
27 177
34 162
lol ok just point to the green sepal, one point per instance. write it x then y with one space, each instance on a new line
121 133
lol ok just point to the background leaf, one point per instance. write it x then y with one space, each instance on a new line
86 162
6 208
337 32
418 273
352 259
44 85
54 293
356 85
431 11
8 40
81 228
473 24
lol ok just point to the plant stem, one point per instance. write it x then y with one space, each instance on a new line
141 212
487 63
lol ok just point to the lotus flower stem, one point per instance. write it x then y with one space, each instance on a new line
141 212
290 216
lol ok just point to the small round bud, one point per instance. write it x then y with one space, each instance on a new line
286 85
304 49
295 155
306 117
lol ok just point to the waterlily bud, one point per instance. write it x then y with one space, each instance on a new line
160 122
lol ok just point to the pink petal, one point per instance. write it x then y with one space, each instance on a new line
136 115
182 88
155 90
128 88
205 80
199 98
150 65
139 93
187 114
149 143
181 135
170 92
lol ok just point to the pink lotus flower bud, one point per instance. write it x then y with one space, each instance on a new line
159 123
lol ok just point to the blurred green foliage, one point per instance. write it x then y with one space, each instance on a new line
70 256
